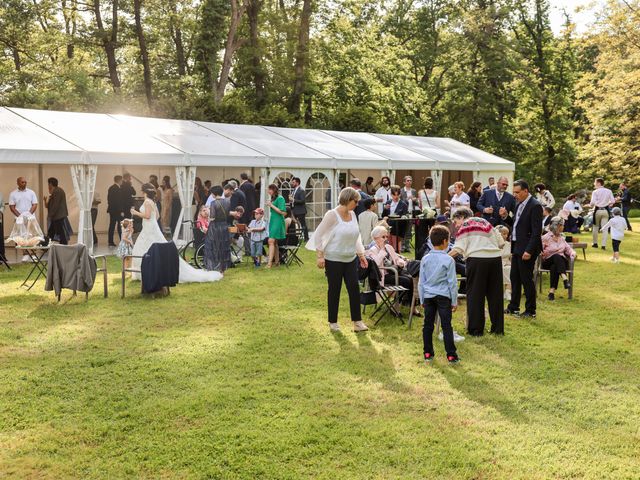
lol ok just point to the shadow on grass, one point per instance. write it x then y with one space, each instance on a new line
367 363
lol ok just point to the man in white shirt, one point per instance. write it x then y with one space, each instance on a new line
23 201
602 200
383 194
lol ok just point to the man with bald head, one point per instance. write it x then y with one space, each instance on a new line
23 201
497 205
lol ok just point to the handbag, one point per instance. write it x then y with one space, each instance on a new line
428 212
413 268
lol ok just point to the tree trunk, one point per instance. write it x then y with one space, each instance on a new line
230 49
16 58
176 35
253 12
302 55
70 25
144 54
109 42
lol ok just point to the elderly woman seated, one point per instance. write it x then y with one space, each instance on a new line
556 254
385 256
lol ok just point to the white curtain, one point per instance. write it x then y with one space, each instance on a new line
84 184
185 182
437 180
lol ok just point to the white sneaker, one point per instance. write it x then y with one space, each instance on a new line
26 258
359 326
616 260
456 337
334 327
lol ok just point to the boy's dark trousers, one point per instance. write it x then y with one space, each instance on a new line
442 306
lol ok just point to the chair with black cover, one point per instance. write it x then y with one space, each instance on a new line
292 247
374 292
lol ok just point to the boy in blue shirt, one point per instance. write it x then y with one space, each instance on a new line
438 290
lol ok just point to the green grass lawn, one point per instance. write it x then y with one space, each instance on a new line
242 379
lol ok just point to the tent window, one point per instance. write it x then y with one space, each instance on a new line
318 192
283 182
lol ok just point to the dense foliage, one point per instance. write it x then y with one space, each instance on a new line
487 72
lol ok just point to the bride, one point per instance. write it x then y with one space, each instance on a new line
151 233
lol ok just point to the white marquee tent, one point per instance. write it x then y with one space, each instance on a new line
89 143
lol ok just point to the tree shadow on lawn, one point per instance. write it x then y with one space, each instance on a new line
366 362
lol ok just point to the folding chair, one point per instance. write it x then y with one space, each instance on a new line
382 296
292 250
538 271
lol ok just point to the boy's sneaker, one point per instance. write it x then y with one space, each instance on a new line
551 296
428 357
452 359
566 284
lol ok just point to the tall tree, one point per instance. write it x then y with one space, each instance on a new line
109 40
144 54
302 58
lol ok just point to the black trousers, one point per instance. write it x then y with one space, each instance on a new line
303 225
484 281
625 214
442 306
94 217
557 265
57 227
114 221
336 273
522 276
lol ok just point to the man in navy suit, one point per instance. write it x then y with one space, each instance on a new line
526 245
497 205
490 186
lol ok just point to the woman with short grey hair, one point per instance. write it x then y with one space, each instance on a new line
339 250
556 254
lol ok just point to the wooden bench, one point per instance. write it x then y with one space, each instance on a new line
538 271
583 246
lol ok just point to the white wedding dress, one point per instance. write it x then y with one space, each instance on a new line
150 234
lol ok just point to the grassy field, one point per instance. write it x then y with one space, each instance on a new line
242 379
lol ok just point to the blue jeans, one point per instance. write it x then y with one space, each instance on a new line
442 306
256 248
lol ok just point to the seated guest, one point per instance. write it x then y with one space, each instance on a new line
368 220
556 254
291 224
546 218
385 256
396 207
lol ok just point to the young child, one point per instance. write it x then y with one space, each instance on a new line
506 261
202 223
126 242
438 290
258 230
617 224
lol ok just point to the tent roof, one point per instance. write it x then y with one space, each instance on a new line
44 136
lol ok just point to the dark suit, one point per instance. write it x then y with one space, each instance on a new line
528 231
489 198
57 206
625 202
360 207
238 199
249 191
115 211
299 209
127 192
398 227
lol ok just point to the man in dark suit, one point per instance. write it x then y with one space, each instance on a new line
356 184
491 181
249 190
127 192
526 245
237 199
114 208
56 204
497 205
298 200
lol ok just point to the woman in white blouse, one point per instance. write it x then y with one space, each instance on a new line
573 210
460 198
337 243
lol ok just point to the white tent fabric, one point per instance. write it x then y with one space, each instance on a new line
84 183
185 179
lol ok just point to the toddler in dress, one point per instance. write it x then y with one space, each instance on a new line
126 242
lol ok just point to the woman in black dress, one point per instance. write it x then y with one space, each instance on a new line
217 243
475 192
